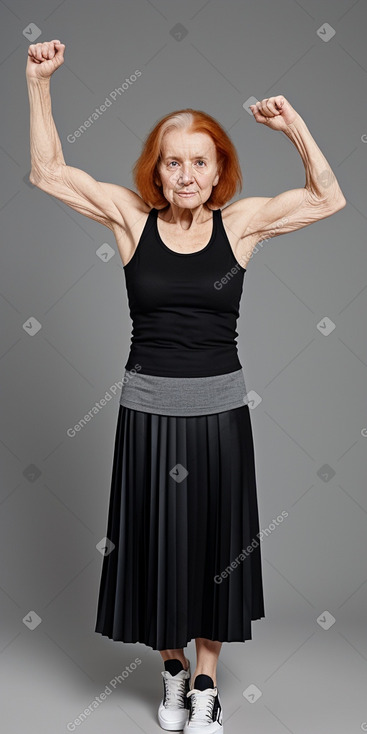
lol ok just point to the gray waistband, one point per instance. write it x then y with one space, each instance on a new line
183 395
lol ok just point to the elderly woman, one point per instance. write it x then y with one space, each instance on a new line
182 556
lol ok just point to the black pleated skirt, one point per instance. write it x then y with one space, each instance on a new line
183 518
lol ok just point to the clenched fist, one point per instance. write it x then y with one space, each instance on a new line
44 58
275 112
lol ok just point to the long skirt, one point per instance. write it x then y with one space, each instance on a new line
182 557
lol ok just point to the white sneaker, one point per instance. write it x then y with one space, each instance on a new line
205 712
174 708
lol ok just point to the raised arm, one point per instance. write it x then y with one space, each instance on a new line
321 195
97 200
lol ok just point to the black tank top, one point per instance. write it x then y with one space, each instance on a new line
183 306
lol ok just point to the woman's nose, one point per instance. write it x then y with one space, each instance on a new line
187 174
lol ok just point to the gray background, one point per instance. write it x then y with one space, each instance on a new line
55 489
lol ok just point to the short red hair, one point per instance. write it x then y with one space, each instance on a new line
145 170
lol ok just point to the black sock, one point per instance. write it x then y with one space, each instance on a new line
173 666
203 681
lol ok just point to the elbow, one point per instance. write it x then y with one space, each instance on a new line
339 203
41 177
338 199
33 178
333 204
36 177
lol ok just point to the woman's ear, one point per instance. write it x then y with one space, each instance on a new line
218 174
216 179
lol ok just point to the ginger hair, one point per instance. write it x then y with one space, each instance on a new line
145 170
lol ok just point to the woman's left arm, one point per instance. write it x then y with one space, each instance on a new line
319 198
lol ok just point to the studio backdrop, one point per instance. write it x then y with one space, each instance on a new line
65 339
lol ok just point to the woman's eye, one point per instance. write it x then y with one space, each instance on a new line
200 161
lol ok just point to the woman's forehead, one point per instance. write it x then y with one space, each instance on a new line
197 144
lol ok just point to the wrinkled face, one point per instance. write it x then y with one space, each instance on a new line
187 168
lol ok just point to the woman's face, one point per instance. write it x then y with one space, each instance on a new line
188 163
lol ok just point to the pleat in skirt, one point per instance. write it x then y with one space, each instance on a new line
183 526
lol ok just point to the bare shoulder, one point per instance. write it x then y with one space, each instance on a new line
236 219
134 212
127 201
240 212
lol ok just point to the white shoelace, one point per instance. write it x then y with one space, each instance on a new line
202 704
175 692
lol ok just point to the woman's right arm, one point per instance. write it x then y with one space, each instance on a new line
98 200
